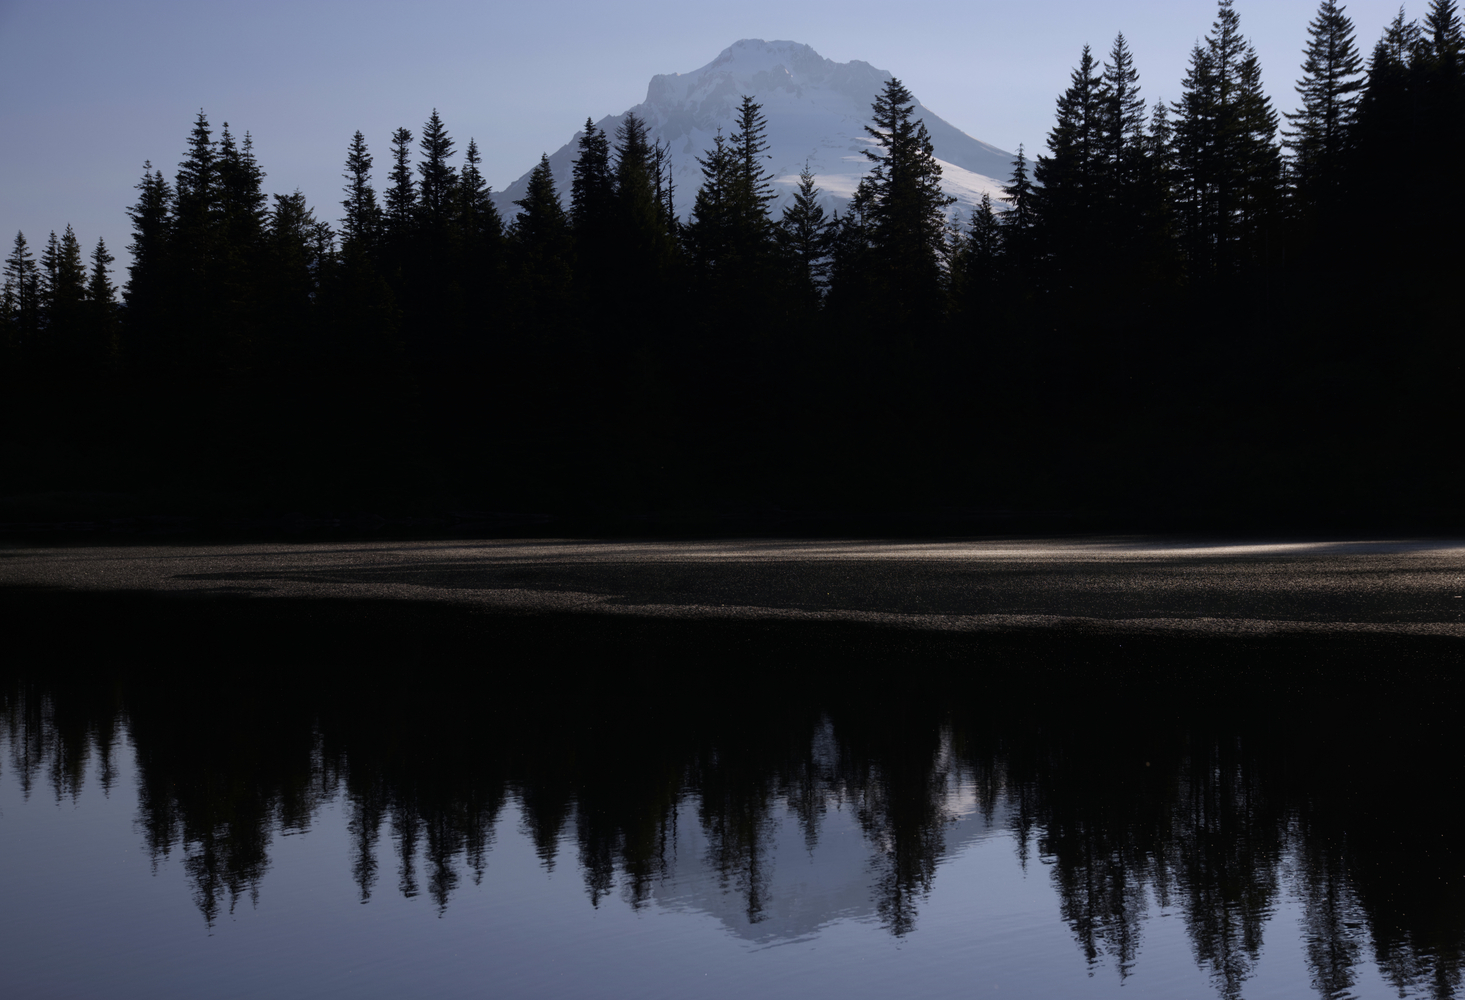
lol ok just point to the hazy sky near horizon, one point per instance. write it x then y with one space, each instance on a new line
92 88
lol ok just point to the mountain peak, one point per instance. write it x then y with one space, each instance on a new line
764 71
816 110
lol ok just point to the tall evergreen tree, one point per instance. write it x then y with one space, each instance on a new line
804 233
197 201
753 185
50 273
1322 129
714 216
362 311
238 242
541 248
301 253
593 218
645 244
1259 179
242 203
592 190
1444 96
99 287
1123 126
481 234
1227 160
906 209
748 273
1074 179
23 282
362 222
1443 35
478 217
980 260
1019 221
67 296
193 275
146 289
401 196
436 190
101 305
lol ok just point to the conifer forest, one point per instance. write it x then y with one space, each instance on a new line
1206 310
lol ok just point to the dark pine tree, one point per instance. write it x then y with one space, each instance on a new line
23 295
66 299
1444 36
1227 161
301 260
593 216
752 189
709 234
437 296
435 203
197 202
1018 225
907 214
402 195
645 249
1259 177
1130 203
399 232
1123 125
363 314
193 270
541 248
146 292
1322 130
804 235
480 251
399 227
1072 184
101 305
1443 99
978 267
50 268
243 207
752 282
361 225
240 246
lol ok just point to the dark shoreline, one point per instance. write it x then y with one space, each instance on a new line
54 626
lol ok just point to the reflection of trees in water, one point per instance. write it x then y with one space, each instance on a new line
895 768
1224 850
1213 821
218 777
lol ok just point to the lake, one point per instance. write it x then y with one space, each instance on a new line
1103 767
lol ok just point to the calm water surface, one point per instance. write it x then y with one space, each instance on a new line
304 797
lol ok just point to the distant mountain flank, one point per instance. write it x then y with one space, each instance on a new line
816 110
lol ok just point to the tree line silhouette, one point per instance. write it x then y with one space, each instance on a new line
1175 305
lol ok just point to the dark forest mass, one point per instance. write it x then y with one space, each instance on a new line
1201 310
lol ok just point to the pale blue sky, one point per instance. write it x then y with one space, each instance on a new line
89 89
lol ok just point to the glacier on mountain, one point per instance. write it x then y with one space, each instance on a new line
816 111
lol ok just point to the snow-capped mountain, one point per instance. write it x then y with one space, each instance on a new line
816 111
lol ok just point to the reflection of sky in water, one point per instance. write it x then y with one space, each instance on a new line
84 912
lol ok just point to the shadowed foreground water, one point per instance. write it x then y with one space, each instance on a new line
330 792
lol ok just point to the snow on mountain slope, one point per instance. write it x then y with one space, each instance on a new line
816 111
